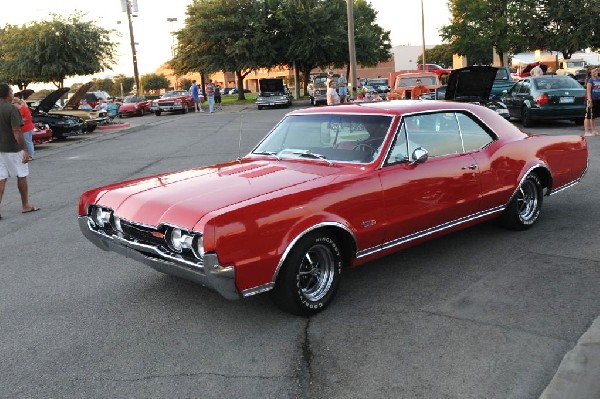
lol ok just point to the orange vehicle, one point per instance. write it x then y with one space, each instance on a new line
406 81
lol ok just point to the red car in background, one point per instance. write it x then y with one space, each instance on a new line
41 133
174 101
134 106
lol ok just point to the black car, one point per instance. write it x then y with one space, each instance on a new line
62 125
470 84
273 93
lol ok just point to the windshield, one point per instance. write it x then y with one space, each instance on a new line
330 137
412 82
556 82
502 74
170 94
131 99
575 64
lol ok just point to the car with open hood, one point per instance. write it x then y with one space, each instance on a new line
472 84
330 188
62 125
273 93
92 118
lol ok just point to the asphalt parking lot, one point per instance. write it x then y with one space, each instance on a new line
482 313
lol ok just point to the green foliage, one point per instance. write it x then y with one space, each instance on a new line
123 85
50 51
106 85
153 82
441 54
268 33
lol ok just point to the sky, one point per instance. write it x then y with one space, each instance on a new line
152 31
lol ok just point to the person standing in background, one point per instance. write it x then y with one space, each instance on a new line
333 97
342 88
210 93
418 90
592 96
196 94
13 152
28 125
537 70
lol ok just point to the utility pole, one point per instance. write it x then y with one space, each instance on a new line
351 48
128 7
423 34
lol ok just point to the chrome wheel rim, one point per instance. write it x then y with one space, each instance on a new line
317 272
527 201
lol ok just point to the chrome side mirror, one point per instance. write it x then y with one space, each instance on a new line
419 155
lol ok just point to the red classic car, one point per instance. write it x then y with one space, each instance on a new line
173 101
330 188
41 133
134 105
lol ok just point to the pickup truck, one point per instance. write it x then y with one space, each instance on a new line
574 68
442 73
503 81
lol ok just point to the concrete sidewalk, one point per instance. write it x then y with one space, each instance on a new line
578 376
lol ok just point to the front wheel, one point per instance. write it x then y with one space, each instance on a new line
310 275
157 113
524 208
141 111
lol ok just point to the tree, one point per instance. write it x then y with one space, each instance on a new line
441 54
123 85
153 82
105 84
228 35
50 51
479 26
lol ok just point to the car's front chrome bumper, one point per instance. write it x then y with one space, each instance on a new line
209 273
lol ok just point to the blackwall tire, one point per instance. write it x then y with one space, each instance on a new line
310 276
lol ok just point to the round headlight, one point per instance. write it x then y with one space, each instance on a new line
100 216
175 238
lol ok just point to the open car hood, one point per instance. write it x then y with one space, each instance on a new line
527 70
472 83
75 99
48 102
271 85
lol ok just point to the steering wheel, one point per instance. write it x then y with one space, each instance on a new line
364 147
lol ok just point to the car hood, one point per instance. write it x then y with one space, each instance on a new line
75 99
527 70
48 102
183 198
472 83
271 85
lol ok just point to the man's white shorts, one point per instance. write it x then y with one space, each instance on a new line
11 165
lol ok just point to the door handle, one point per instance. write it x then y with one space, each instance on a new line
472 167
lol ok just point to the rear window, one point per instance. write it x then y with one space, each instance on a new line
556 83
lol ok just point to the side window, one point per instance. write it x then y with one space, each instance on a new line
438 133
399 150
515 89
524 87
474 136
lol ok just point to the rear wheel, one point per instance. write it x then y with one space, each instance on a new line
525 206
310 275
526 117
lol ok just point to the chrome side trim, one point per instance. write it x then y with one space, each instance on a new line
427 232
299 236
257 290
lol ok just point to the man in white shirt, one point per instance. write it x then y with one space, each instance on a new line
537 70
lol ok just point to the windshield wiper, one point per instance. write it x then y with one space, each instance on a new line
271 153
310 155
